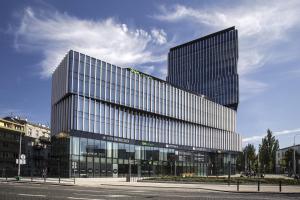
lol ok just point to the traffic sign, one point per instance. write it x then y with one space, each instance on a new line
23 157
74 165
22 162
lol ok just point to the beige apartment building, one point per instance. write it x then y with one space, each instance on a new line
33 130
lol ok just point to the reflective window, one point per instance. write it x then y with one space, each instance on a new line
92 78
109 149
103 80
86 115
83 146
108 82
98 78
113 83
75 145
102 119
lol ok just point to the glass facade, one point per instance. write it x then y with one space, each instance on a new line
208 66
95 103
96 158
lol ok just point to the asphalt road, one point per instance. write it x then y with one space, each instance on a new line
16 191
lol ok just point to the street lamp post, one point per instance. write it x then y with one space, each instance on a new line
129 170
246 164
258 166
229 171
19 157
294 154
175 166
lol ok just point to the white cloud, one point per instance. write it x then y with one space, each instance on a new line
295 73
276 133
261 25
53 34
160 36
272 18
159 71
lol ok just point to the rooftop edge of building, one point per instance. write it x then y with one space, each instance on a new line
203 38
23 121
289 147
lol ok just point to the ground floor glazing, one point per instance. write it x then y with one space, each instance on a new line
86 157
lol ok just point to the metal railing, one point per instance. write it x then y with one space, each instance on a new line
35 179
259 185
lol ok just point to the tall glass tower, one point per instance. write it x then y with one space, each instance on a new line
208 66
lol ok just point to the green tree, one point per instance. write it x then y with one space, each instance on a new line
267 152
240 163
248 156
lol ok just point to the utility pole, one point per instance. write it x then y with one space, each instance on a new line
175 170
246 161
19 157
294 155
129 170
258 166
229 171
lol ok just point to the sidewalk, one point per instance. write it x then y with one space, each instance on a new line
95 182
121 182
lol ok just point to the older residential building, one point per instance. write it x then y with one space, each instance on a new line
284 161
34 130
10 133
35 145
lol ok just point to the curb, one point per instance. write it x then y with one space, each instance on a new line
208 189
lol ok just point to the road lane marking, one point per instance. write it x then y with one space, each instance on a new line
33 195
92 195
16 185
103 195
117 195
83 198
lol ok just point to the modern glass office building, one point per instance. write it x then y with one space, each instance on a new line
104 117
208 66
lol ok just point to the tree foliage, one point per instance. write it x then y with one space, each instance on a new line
267 152
240 162
250 156
247 157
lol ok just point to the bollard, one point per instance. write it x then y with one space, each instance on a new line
74 180
44 179
31 179
58 179
258 186
238 186
280 186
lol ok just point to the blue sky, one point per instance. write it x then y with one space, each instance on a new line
35 35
